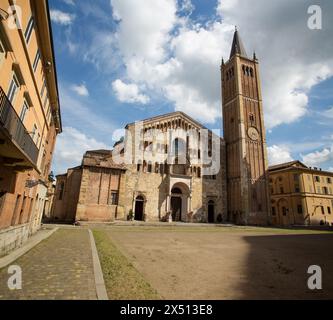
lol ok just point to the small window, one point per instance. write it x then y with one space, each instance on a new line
2 52
38 138
139 166
28 31
37 58
297 189
325 190
13 88
284 211
329 210
43 89
45 101
273 211
329 180
150 167
317 178
251 117
114 198
318 190
24 111
199 173
322 210
33 133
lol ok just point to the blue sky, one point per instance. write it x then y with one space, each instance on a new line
124 60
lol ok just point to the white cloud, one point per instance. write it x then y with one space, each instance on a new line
328 114
318 158
83 113
129 93
81 90
69 2
70 147
292 57
144 27
178 59
278 155
61 17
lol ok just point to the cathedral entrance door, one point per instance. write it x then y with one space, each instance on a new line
139 202
211 212
176 208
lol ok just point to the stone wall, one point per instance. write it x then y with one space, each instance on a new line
12 238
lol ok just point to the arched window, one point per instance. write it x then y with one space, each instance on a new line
243 68
145 166
156 167
251 72
251 117
150 167
247 71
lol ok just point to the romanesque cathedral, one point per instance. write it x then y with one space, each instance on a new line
171 168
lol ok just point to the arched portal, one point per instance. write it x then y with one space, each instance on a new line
180 194
211 211
139 208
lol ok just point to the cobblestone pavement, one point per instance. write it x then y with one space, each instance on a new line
58 268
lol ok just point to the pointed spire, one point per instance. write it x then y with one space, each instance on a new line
254 56
237 45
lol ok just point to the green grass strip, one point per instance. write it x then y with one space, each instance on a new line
122 280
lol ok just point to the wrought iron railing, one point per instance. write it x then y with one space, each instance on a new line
10 120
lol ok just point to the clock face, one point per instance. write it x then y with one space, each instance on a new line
253 134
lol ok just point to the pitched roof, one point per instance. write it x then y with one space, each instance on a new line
237 46
169 115
280 166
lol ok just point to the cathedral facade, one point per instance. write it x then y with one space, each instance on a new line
172 168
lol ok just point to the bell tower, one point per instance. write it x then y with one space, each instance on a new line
244 134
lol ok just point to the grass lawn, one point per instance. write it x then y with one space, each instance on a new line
122 280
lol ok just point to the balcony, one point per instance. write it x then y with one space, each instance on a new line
17 148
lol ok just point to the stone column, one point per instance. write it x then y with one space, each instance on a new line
168 203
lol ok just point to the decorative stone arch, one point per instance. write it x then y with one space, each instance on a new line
139 207
180 201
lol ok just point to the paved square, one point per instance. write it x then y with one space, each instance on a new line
59 268
227 263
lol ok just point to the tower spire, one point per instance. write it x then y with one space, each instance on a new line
237 45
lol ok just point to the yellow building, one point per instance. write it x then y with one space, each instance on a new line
29 117
300 195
